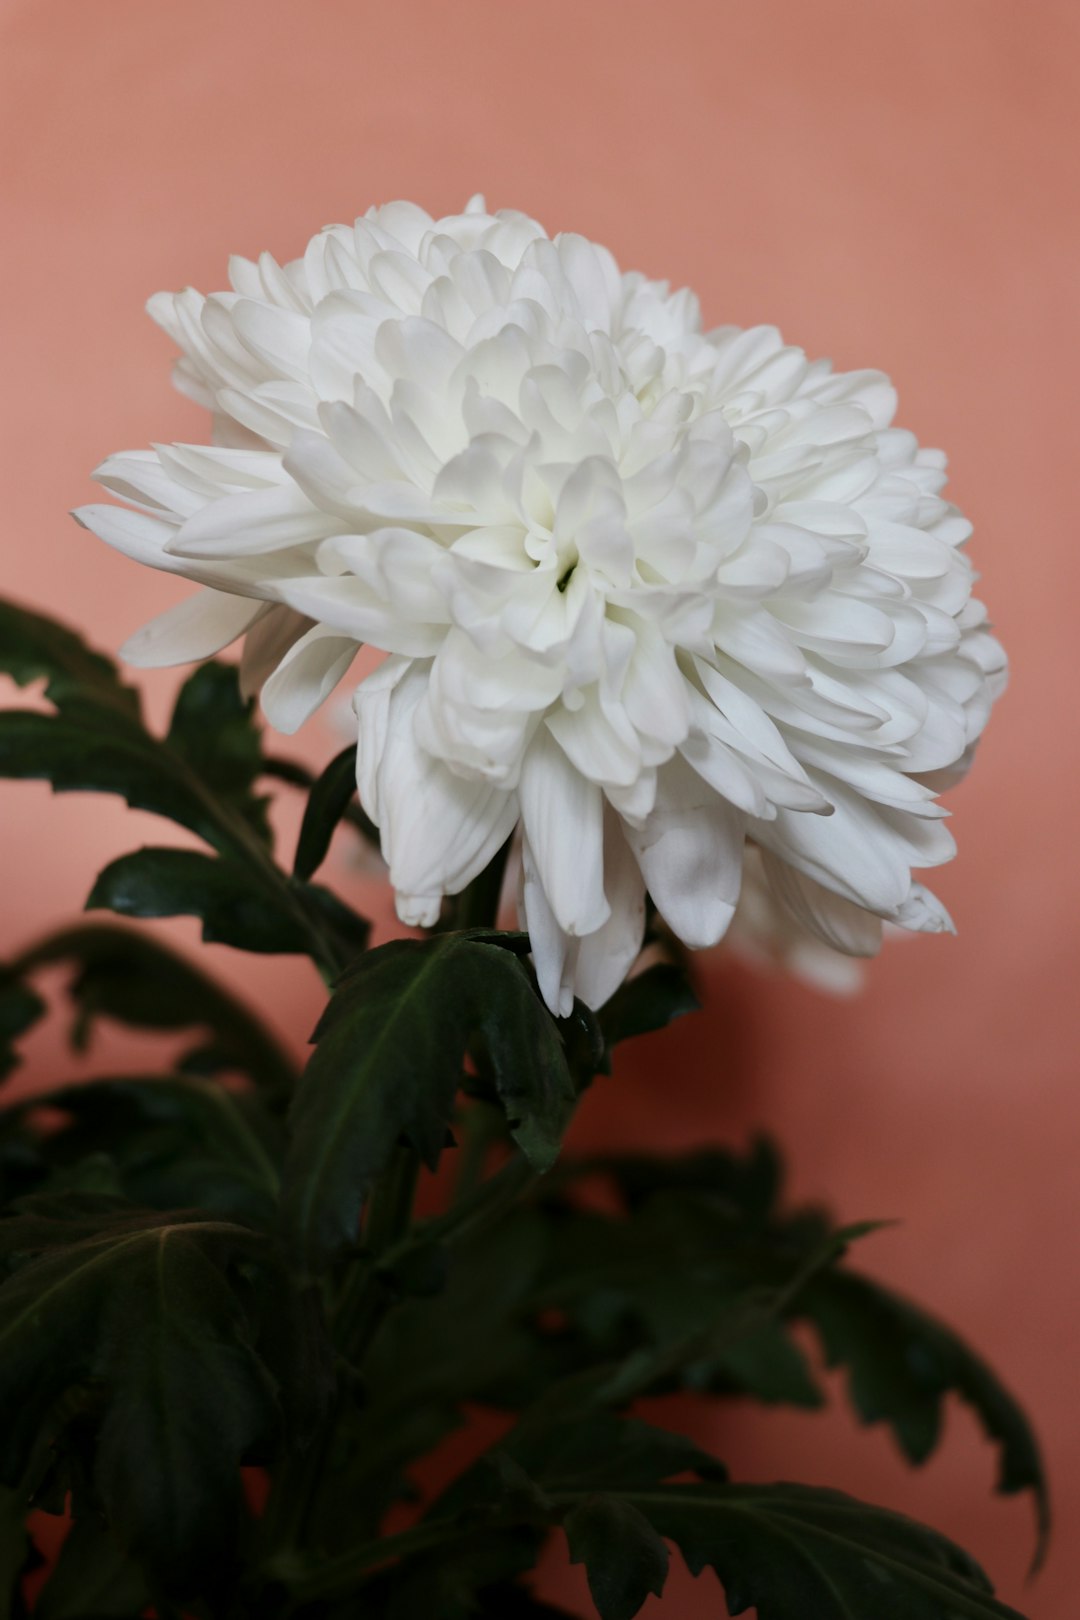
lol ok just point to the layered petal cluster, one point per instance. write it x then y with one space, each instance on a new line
647 593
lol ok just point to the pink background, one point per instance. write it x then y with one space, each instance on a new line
888 182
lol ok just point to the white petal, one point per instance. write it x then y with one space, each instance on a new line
838 922
552 948
349 606
562 814
439 831
605 957
306 676
853 852
266 644
260 521
690 853
194 629
923 913
371 705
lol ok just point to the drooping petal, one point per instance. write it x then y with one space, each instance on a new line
306 675
562 813
605 957
438 830
690 854
195 628
839 923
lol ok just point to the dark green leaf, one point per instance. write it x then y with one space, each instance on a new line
749 1182
329 799
450 1584
901 1364
625 1559
144 1309
101 750
92 1577
350 931
20 1009
234 906
387 1066
33 647
183 882
200 776
764 1363
567 1437
793 1552
213 731
139 982
647 1002
174 1141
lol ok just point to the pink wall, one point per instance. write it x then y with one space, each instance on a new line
889 183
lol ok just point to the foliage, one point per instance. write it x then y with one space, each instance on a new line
228 1344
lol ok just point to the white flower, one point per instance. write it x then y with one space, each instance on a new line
647 592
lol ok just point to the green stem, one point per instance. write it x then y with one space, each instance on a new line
477 905
298 776
469 1215
362 1304
368 1291
482 1124
327 1579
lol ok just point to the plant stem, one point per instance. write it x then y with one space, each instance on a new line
327 1578
365 1298
368 1291
477 906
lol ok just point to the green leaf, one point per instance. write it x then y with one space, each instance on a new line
567 1438
625 1559
92 1576
97 741
139 982
175 1141
103 750
33 647
749 1182
764 1363
649 1001
234 907
902 1362
793 1552
387 1065
20 1009
327 803
455 1582
143 1309
213 731
183 882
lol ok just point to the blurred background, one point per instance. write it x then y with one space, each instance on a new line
890 184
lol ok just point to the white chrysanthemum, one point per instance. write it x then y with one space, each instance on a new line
648 592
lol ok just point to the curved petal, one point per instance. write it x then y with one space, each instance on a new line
839 923
306 676
690 853
605 957
553 949
194 629
439 831
563 817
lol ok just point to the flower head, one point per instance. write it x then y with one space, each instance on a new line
648 593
